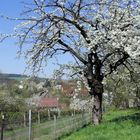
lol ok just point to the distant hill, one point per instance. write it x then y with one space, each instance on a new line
16 76
4 77
12 76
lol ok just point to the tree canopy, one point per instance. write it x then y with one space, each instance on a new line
106 28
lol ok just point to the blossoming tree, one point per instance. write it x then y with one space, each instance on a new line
101 35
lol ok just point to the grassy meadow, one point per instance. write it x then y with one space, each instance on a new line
117 125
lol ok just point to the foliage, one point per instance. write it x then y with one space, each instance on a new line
11 104
122 90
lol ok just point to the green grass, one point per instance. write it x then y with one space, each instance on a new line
117 125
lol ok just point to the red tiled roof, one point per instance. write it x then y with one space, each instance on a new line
68 88
49 102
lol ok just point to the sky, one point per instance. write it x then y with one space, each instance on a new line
9 63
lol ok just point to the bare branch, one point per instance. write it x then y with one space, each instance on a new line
121 61
72 51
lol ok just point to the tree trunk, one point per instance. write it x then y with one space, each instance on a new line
94 77
97 96
97 109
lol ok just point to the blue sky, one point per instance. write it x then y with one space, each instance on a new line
8 61
8 49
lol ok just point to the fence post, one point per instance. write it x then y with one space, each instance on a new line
30 124
54 126
83 118
38 117
74 122
2 127
59 112
24 116
49 114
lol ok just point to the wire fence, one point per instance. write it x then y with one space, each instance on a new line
47 130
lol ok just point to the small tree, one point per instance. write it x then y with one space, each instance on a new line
101 35
119 89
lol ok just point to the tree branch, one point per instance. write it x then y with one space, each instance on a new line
72 51
118 63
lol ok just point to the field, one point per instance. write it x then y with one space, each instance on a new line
117 125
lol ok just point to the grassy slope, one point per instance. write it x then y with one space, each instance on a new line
117 125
